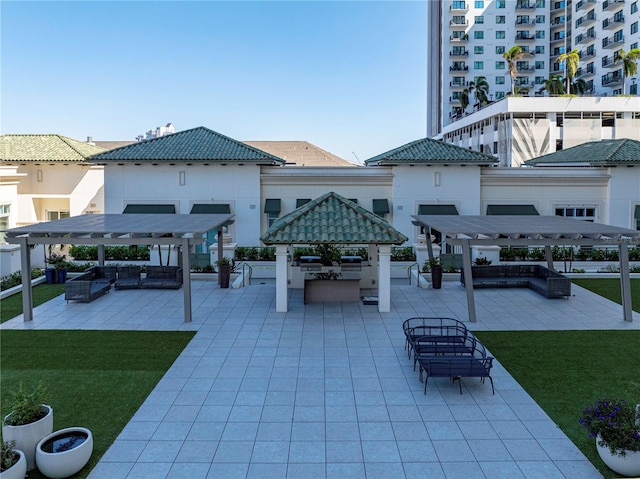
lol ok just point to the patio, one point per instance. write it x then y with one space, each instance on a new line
326 390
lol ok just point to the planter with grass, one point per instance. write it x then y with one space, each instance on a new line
29 421
224 271
13 464
65 452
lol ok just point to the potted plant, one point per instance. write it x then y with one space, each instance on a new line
13 464
224 271
436 272
615 425
59 263
29 421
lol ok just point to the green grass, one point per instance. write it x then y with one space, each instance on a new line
95 379
11 306
564 371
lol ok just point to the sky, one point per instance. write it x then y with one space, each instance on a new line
349 77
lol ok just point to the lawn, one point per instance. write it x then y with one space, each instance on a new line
95 379
564 371
11 306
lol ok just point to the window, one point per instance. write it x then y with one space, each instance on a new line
478 50
637 217
633 89
459 5
479 19
539 49
272 209
539 33
500 19
500 50
4 220
500 65
500 95
634 7
580 213
500 34
618 36
478 35
57 215
499 80
479 4
539 65
634 27
634 45
501 3
540 3
539 80
539 18
478 65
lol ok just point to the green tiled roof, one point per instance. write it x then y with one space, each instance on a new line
198 144
429 151
332 218
594 153
44 148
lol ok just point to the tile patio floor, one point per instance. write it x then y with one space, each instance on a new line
327 391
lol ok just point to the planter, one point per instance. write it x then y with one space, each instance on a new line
27 436
50 274
627 465
64 452
224 274
62 276
18 470
436 277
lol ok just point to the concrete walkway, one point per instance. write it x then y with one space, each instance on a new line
327 391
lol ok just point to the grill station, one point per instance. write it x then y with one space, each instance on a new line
350 263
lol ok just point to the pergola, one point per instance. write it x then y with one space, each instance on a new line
117 229
547 231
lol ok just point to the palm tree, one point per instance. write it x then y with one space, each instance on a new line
572 60
579 86
464 99
512 56
481 90
629 65
554 85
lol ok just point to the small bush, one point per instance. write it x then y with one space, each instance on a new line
15 279
26 407
403 254
111 253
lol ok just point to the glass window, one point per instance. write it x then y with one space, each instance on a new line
539 33
479 3
634 27
459 4
500 19
500 65
500 95
540 4
501 3
539 18
478 65
57 215
539 49
539 80
500 34
580 213
4 220
500 50
634 45
499 80
478 35
618 36
634 7
539 65
479 19
478 50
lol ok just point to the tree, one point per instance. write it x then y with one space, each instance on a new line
553 85
572 60
512 56
481 90
629 65
579 86
464 99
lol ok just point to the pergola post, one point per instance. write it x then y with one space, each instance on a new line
468 279
220 252
101 255
25 265
625 282
186 279
282 279
548 253
384 278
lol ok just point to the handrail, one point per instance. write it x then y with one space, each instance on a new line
244 275
410 268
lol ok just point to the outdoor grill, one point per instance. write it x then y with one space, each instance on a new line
350 263
310 263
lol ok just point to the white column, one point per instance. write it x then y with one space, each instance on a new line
25 265
384 278
625 282
281 278
186 279
468 279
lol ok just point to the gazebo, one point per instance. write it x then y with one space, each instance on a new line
117 229
333 219
530 230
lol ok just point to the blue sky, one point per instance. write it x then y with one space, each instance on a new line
347 76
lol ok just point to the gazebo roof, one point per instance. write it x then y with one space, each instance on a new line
34 148
332 218
594 153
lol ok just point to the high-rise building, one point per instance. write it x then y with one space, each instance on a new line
467 39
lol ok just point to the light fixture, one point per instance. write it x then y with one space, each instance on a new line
182 178
436 178
39 175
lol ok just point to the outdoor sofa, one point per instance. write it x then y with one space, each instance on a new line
93 283
162 277
539 278
128 277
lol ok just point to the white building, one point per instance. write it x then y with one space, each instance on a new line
468 37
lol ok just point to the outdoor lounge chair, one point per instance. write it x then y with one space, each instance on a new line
128 277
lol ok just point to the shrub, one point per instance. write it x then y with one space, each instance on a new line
403 254
536 254
112 253
507 254
26 407
15 279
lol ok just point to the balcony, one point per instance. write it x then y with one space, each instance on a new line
525 5
558 6
454 100
462 38
525 22
612 79
558 23
612 42
585 37
459 7
459 53
453 84
583 4
459 68
458 23
524 83
609 62
586 20
526 69
588 53
525 36
611 4
587 72
613 22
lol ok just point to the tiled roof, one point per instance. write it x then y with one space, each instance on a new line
332 218
300 153
594 153
198 144
44 148
429 151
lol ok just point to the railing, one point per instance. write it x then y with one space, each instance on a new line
612 22
607 4
410 269
245 275
610 42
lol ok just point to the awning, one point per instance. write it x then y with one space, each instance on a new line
437 210
512 210
209 209
637 214
381 206
150 209
272 206
302 201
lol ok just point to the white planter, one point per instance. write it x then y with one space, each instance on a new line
627 465
28 435
64 452
18 470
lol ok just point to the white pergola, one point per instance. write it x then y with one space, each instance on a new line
530 230
117 229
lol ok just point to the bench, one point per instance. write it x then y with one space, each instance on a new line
540 279
444 330
103 273
86 287
128 277
162 277
457 367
